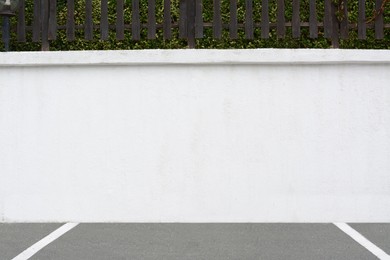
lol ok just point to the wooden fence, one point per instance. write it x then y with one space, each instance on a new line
336 23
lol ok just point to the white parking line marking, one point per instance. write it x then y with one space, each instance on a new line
363 241
29 252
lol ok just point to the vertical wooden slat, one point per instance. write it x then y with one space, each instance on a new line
264 19
249 19
327 18
233 30
362 20
191 23
335 26
198 19
151 19
88 27
70 26
135 21
45 25
36 30
344 30
313 22
281 20
120 20
167 20
53 20
5 29
21 27
183 19
379 20
217 19
296 26
104 19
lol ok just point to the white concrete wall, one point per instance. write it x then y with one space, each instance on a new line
195 136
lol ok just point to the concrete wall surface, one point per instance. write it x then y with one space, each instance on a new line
195 136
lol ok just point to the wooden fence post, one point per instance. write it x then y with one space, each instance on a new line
167 24
70 23
264 19
191 24
198 19
182 19
217 19
36 23
88 26
379 19
45 46
5 26
21 27
335 23
313 22
362 20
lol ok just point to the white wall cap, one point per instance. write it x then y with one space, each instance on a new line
193 57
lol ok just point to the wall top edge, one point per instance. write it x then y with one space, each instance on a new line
193 57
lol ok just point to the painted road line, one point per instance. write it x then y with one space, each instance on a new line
29 252
363 241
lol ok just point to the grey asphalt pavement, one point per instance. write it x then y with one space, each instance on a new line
194 241
379 234
14 238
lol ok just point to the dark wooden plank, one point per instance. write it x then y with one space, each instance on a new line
191 23
70 25
265 19
198 19
151 19
379 19
328 18
335 26
281 20
21 26
53 20
217 19
88 27
36 24
104 19
120 20
344 30
233 28
296 26
183 19
362 20
45 25
5 29
249 19
135 21
167 20
313 22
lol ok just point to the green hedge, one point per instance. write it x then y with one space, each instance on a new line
207 42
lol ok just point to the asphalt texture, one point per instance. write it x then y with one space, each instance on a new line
194 241
379 234
15 238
